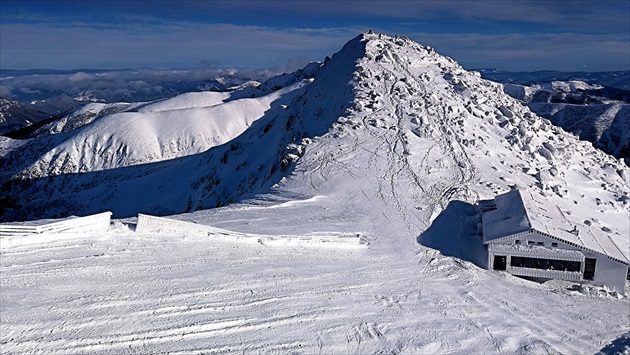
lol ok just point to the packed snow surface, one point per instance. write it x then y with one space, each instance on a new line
390 141
123 292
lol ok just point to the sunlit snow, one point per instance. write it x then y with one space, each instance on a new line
390 141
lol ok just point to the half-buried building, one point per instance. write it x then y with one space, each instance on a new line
528 236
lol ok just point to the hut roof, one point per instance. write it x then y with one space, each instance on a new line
520 211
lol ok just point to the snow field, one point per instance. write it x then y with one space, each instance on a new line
122 291
153 224
93 223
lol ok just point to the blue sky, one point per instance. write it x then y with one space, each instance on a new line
509 35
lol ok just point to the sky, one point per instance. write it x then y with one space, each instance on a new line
504 34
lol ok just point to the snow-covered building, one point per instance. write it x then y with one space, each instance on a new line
529 236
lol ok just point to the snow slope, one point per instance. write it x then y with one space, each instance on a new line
184 125
80 117
123 293
594 113
390 140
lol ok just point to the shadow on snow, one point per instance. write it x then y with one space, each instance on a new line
454 233
620 345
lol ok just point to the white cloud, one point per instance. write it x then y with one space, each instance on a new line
168 45
530 52
122 85
185 44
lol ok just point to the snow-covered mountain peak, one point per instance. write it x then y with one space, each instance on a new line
422 131
385 124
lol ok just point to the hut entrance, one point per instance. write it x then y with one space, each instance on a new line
589 268
499 262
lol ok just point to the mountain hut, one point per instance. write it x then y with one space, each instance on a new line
529 236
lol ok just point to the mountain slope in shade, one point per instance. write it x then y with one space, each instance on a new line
12 116
390 141
20 116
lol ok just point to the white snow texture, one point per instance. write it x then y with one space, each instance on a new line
389 140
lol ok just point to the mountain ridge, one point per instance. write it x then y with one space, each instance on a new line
214 159
385 117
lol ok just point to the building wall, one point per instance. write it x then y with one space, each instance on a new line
608 272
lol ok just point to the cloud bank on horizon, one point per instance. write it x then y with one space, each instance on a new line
508 35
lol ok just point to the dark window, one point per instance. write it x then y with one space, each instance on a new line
542 264
499 262
531 242
541 243
556 265
545 264
517 242
572 266
589 268
529 262
555 245
516 261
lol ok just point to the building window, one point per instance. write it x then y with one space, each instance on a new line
572 266
516 261
517 242
531 242
541 243
555 245
542 264
545 264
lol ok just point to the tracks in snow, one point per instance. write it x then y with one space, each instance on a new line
188 294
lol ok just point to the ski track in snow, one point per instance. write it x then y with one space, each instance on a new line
121 292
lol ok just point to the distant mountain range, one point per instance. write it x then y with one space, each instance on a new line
594 112
30 96
613 79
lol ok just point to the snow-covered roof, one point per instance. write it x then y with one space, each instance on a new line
519 211
509 217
